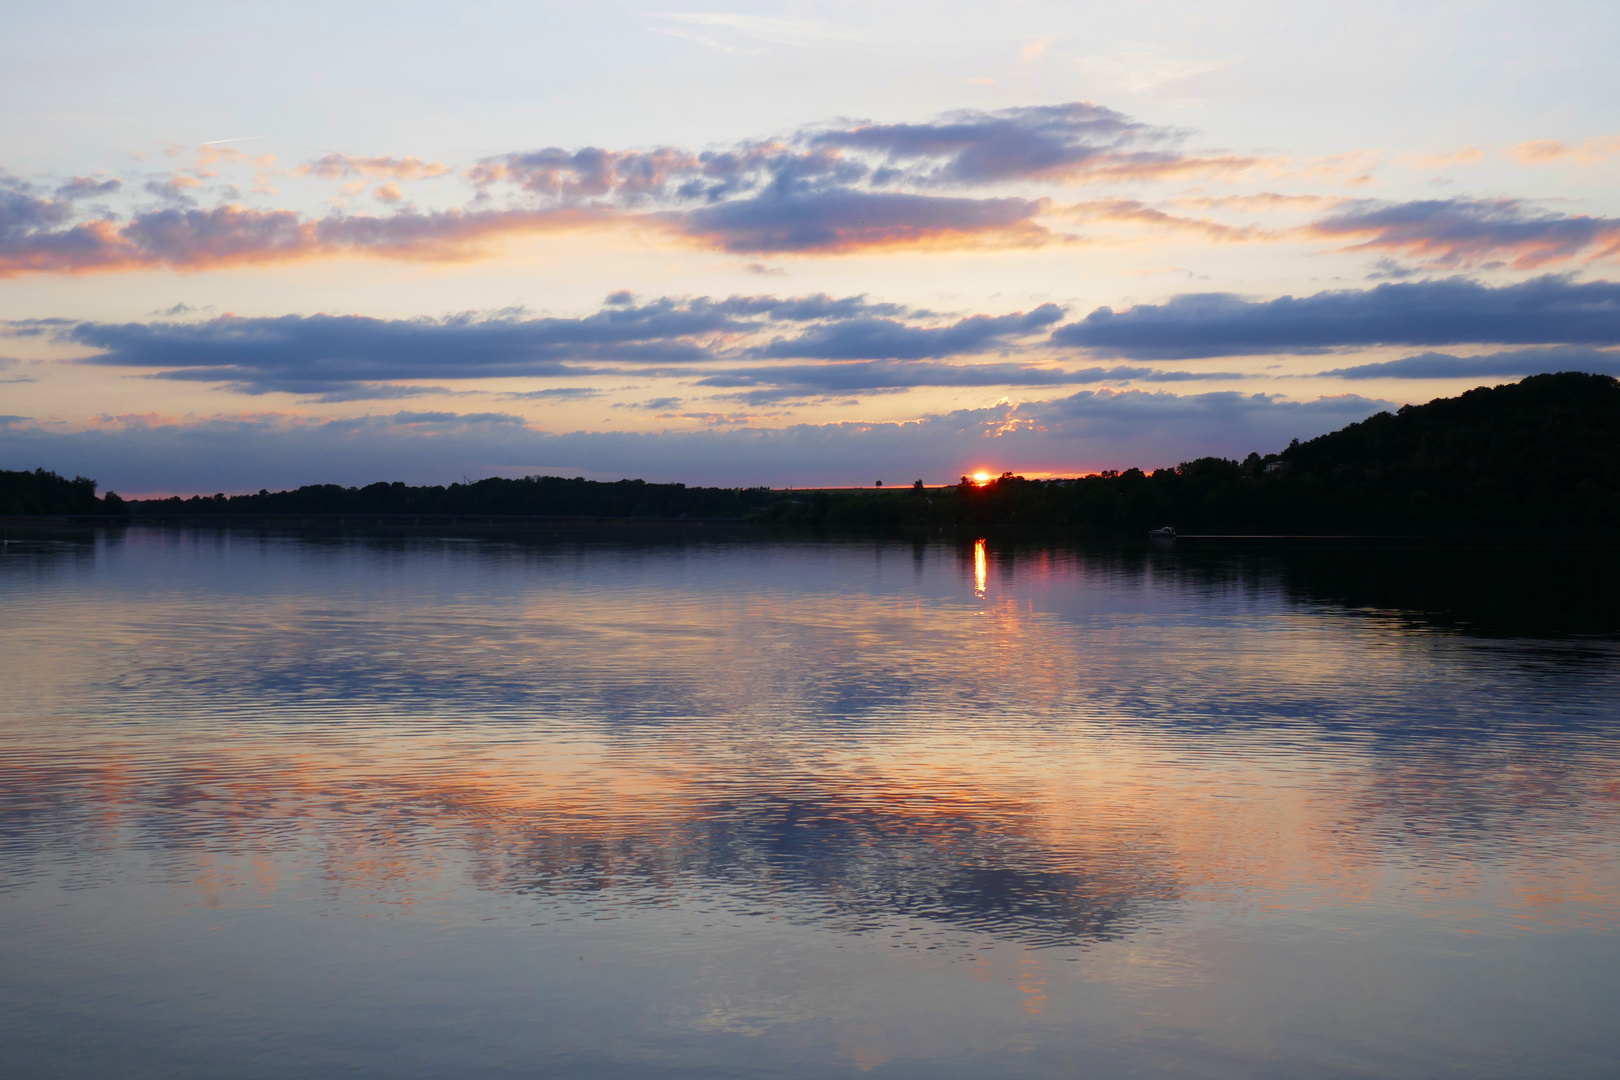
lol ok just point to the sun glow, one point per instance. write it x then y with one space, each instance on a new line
981 568
981 478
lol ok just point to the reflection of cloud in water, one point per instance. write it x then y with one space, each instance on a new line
843 735
802 849
869 866
1109 837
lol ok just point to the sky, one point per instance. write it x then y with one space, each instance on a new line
797 244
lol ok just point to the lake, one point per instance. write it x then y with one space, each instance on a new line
281 805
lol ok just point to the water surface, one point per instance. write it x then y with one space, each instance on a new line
292 806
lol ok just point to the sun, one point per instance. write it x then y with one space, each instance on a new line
981 478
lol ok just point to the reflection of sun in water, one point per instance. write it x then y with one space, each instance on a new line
981 478
980 569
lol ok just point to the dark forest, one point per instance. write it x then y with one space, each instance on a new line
1543 452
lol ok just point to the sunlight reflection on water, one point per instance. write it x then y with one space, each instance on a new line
287 806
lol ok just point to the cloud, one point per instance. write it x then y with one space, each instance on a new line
766 199
884 375
24 210
823 189
856 345
175 189
564 393
1262 202
327 354
970 179
460 420
8 362
191 238
840 220
592 172
1076 142
1387 269
863 185
888 375
88 187
888 339
351 357
1449 233
1542 311
1351 169
974 147
1544 151
338 166
1520 362
1135 212
359 391
1079 433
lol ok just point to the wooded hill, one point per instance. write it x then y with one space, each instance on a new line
1541 453
533 495
44 492
1544 452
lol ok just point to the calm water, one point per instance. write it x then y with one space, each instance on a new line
300 807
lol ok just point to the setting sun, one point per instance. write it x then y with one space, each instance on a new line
981 478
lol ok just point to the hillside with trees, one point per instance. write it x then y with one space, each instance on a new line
545 496
44 492
1543 452
1540 453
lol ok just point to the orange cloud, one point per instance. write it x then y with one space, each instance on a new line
1546 151
1264 201
1155 166
1352 169
1134 212
336 166
233 235
209 155
1035 48
1447 233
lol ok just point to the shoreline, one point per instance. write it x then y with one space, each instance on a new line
531 524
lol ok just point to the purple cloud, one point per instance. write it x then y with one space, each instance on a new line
1543 311
351 357
1470 232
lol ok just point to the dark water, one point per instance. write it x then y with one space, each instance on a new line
275 806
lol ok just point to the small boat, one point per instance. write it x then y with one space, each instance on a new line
1166 533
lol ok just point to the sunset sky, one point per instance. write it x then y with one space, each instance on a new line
787 244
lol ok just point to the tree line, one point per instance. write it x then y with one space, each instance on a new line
531 495
43 492
1543 452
